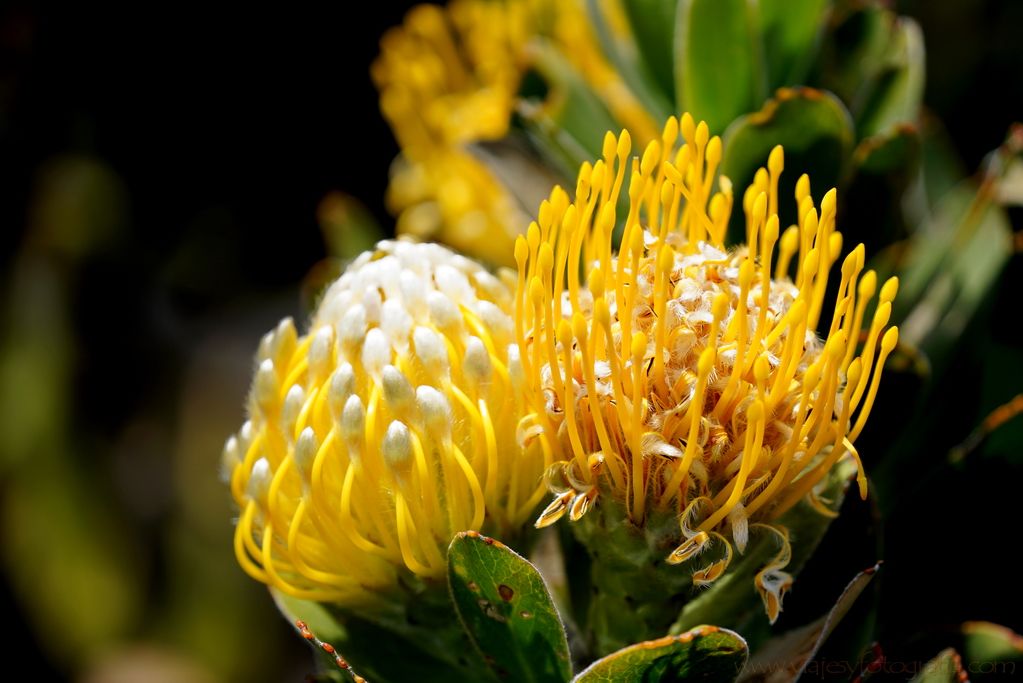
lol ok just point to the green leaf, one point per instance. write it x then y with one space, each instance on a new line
946 667
900 82
623 51
791 31
855 51
787 655
814 128
653 28
991 648
953 272
891 152
425 635
565 121
718 66
570 103
507 610
705 653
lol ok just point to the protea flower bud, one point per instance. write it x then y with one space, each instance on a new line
692 394
385 430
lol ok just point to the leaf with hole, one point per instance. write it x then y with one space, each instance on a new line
507 610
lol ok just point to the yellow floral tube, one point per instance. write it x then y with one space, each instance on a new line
388 428
680 376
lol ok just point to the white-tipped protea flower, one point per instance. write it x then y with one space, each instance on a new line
385 430
683 385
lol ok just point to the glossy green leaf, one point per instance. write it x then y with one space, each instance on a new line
814 128
899 87
507 610
718 68
946 667
705 653
653 28
791 31
785 657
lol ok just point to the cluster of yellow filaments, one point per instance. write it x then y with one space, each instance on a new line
689 378
448 78
384 431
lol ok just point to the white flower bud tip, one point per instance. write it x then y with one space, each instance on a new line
265 387
259 480
342 385
376 351
293 403
397 446
435 409
398 392
477 364
305 450
320 350
353 418
431 349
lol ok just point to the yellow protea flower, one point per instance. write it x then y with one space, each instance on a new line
448 78
384 431
684 377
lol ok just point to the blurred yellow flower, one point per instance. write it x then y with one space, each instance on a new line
384 431
683 376
449 78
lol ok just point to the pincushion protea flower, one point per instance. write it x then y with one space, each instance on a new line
381 433
683 385
449 78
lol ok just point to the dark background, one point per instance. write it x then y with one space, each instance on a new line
214 133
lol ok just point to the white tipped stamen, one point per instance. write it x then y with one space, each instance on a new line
396 446
305 451
342 385
265 385
293 403
229 458
477 365
443 311
353 420
395 321
352 328
321 351
259 480
285 339
376 351
436 411
453 284
398 392
431 350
